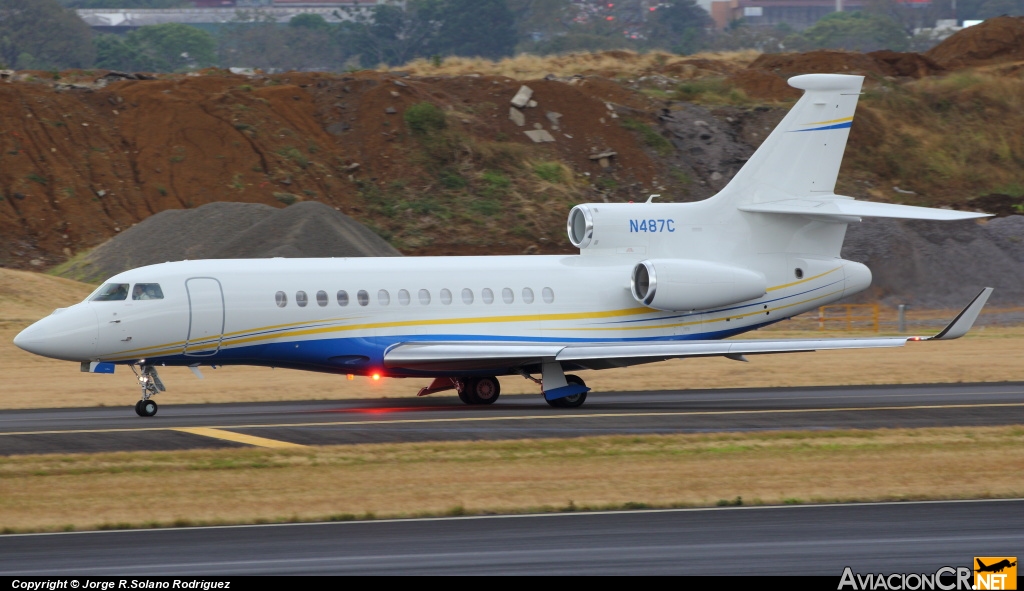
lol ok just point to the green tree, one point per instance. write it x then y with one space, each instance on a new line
536 20
42 34
127 3
312 22
681 26
256 40
387 34
852 31
992 8
157 48
475 28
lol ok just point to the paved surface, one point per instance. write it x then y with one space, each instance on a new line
512 417
802 540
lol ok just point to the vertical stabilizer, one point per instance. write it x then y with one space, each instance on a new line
802 155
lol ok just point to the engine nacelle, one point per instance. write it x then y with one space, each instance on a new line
623 228
677 285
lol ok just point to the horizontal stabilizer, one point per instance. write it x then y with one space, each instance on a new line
845 207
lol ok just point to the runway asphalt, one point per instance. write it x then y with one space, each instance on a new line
794 540
185 426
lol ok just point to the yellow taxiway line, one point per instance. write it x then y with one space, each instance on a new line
236 437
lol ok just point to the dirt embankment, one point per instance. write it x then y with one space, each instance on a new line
996 43
87 156
85 161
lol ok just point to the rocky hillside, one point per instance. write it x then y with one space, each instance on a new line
441 162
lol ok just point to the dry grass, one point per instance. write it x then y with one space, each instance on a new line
988 354
941 126
345 482
612 64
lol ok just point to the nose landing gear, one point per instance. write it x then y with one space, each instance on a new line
145 408
151 385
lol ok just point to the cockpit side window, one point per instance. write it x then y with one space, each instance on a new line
147 291
111 292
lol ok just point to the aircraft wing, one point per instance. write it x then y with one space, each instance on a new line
459 356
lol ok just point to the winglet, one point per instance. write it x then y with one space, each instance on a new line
965 319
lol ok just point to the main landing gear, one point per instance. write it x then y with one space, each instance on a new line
572 400
472 391
478 390
559 390
151 385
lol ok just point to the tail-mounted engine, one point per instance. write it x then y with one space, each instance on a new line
623 228
680 285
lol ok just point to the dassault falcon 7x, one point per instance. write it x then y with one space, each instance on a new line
652 281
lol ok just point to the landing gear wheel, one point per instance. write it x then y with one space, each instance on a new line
574 401
480 391
146 408
463 392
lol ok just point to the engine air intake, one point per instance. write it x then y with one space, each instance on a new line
678 285
580 226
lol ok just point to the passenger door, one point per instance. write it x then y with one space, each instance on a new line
206 316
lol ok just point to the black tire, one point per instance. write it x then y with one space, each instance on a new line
148 408
463 391
482 390
138 408
574 401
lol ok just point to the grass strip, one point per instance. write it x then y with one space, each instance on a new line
239 486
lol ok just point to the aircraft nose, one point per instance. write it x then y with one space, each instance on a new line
68 333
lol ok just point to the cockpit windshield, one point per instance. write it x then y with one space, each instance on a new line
147 291
111 292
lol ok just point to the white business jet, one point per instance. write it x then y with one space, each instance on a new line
653 281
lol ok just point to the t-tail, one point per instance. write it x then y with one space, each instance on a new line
802 155
794 172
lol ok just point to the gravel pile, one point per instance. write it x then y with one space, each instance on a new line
223 230
940 264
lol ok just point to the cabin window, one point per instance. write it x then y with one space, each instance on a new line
467 296
147 291
321 298
403 297
281 298
343 298
383 297
446 296
508 296
424 297
548 294
301 299
527 295
363 297
487 295
111 292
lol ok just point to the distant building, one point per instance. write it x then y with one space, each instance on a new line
259 3
121 20
798 14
